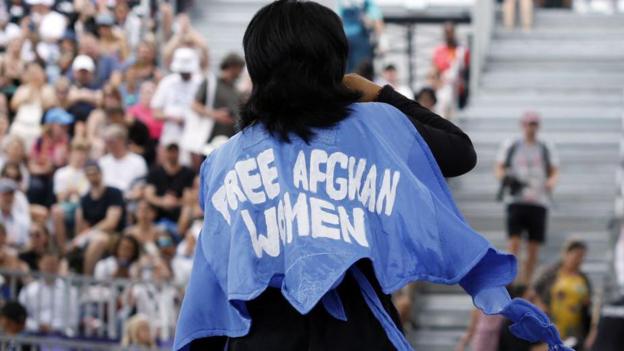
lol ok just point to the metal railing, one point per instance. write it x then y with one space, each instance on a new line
618 223
483 22
82 307
32 343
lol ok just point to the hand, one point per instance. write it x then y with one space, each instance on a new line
550 184
170 201
369 90
222 115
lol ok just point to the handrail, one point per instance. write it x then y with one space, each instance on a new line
618 222
483 22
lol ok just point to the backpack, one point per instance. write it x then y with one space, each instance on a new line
545 156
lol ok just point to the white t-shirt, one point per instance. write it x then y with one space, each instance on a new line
174 96
121 172
68 177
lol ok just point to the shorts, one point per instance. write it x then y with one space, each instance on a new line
527 218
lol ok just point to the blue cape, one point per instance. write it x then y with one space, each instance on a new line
297 216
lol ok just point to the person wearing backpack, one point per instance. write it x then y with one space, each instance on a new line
531 167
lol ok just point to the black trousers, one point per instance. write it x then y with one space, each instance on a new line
277 326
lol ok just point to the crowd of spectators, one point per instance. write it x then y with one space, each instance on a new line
107 109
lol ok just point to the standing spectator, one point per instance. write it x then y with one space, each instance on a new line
390 76
30 101
218 99
101 213
14 213
50 301
566 293
120 166
363 23
450 64
526 13
174 94
166 184
427 98
531 167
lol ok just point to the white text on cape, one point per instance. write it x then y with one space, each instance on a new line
342 182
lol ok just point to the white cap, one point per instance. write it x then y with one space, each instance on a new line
185 60
48 3
83 62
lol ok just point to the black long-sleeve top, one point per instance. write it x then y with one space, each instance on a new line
450 146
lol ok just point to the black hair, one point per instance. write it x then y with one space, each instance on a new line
574 244
296 55
15 312
134 242
390 67
427 91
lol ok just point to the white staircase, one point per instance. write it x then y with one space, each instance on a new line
570 69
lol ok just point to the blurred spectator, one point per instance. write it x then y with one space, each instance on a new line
50 151
13 152
128 22
112 41
29 102
166 184
144 230
139 141
49 23
17 9
70 184
529 167
8 255
13 322
145 63
390 76
39 244
84 94
129 88
450 64
191 215
50 301
105 66
526 13
12 67
143 112
138 333
175 92
101 213
427 98
120 166
68 47
8 30
363 25
118 265
565 292
186 37
14 213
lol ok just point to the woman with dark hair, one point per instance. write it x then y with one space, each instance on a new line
125 254
321 206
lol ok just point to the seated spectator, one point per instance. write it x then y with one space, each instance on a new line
13 171
101 213
49 152
14 213
143 112
13 151
166 184
191 215
130 87
120 166
61 91
125 254
139 141
84 94
112 41
146 62
12 67
13 322
38 245
49 23
8 30
144 230
105 66
566 293
68 50
508 341
138 333
30 101
427 98
8 255
128 22
70 184
50 300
